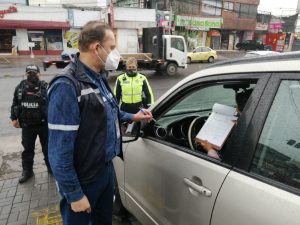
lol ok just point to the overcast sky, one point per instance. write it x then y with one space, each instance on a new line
278 7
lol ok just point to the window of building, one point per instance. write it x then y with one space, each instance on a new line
46 40
182 7
6 37
245 11
211 7
54 39
131 3
37 37
228 6
277 153
237 8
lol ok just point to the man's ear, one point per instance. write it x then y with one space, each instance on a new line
94 46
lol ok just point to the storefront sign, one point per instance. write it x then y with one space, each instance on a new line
11 9
166 24
72 39
275 26
198 23
261 26
214 33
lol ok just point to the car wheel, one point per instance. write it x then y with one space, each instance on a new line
189 60
211 59
171 69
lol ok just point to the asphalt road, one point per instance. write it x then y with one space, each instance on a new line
10 155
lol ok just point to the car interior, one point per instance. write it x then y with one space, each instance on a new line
181 122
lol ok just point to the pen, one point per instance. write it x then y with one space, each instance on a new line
143 111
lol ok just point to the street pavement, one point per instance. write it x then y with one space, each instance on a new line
36 202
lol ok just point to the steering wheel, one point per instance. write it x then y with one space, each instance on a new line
194 128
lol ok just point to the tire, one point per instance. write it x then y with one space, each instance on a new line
171 69
211 59
189 60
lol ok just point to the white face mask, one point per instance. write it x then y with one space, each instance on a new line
112 60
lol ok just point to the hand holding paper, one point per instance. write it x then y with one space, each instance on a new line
217 127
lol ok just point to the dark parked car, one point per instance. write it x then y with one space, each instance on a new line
250 45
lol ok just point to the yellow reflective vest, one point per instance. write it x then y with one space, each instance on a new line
132 88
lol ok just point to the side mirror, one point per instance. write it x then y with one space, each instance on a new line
130 131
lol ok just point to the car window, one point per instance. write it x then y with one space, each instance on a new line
175 125
177 43
277 153
198 49
204 99
205 49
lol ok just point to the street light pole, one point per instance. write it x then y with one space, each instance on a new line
170 16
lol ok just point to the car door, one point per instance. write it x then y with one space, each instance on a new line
197 54
264 188
205 53
167 183
177 51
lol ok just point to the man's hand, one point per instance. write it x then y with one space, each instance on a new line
143 114
15 123
206 145
82 205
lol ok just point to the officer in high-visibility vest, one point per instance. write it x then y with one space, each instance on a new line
132 89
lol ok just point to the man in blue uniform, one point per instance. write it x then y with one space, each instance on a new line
84 129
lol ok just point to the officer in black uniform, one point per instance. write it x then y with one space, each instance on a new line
29 112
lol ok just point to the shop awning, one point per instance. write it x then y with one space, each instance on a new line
31 24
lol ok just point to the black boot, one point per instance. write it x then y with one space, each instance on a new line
26 175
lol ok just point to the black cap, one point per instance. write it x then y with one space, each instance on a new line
32 68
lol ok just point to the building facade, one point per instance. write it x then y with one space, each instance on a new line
219 24
24 27
239 22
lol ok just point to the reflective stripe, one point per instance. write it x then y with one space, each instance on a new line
63 127
87 91
132 95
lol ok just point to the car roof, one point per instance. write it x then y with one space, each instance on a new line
285 62
202 47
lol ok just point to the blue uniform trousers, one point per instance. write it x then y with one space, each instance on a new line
100 195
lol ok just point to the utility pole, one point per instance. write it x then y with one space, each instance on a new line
170 16
27 2
112 14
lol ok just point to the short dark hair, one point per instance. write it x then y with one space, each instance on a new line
91 32
242 97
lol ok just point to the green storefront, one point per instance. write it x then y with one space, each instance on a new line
199 31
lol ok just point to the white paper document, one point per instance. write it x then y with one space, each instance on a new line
218 125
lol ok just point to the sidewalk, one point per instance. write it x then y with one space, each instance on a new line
35 202
23 60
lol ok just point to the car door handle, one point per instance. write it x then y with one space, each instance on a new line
200 189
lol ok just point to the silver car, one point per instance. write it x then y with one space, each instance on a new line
167 178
